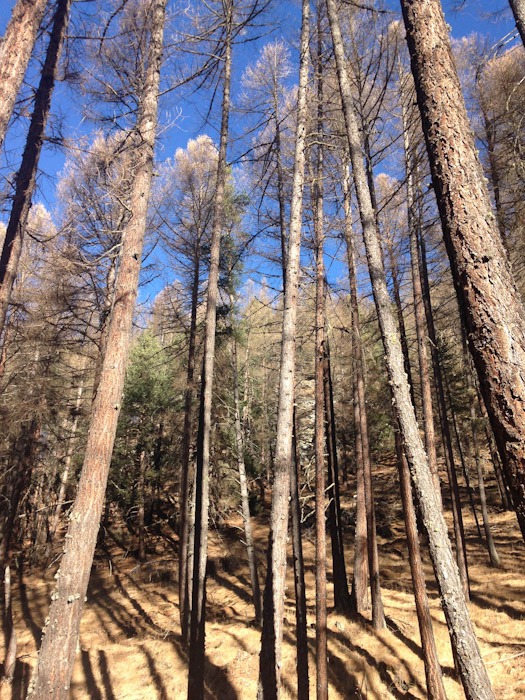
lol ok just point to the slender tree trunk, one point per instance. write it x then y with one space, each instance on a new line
378 615
433 673
141 524
57 653
518 10
270 657
15 51
65 472
489 301
459 532
360 577
342 601
303 684
473 673
198 606
26 177
321 643
187 479
245 504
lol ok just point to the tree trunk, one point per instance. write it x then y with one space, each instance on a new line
26 177
57 653
141 488
378 615
198 606
15 51
273 612
518 10
185 571
321 643
473 674
245 504
342 601
303 684
489 301
360 577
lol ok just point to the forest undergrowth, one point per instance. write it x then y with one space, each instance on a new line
130 644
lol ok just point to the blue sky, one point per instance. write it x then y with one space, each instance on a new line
483 16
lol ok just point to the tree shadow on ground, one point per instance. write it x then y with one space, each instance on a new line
20 683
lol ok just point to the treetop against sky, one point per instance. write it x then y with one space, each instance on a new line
181 117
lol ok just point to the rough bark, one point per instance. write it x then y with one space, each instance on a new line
26 176
15 51
489 301
57 653
270 657
473 673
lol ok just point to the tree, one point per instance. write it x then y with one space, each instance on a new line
57 653
489 302
15 52
473 673
273 604
518 10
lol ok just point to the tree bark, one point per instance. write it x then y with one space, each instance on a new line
57 653
270 656
15 51
26 177
489 301
473 673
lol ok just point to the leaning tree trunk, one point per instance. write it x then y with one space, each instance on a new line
489 301
273 612
57 653
473 673
198 604
26 177
15 51
518 10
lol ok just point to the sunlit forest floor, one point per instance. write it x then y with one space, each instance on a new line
130 646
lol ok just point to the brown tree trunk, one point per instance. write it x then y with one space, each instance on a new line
489 301
187 478
26 177
518 10
15 51
57 653
473 673
342 601
198 605
378 615
273 612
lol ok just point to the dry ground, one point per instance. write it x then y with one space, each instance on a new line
130 645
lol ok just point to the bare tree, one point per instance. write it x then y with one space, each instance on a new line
57 653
